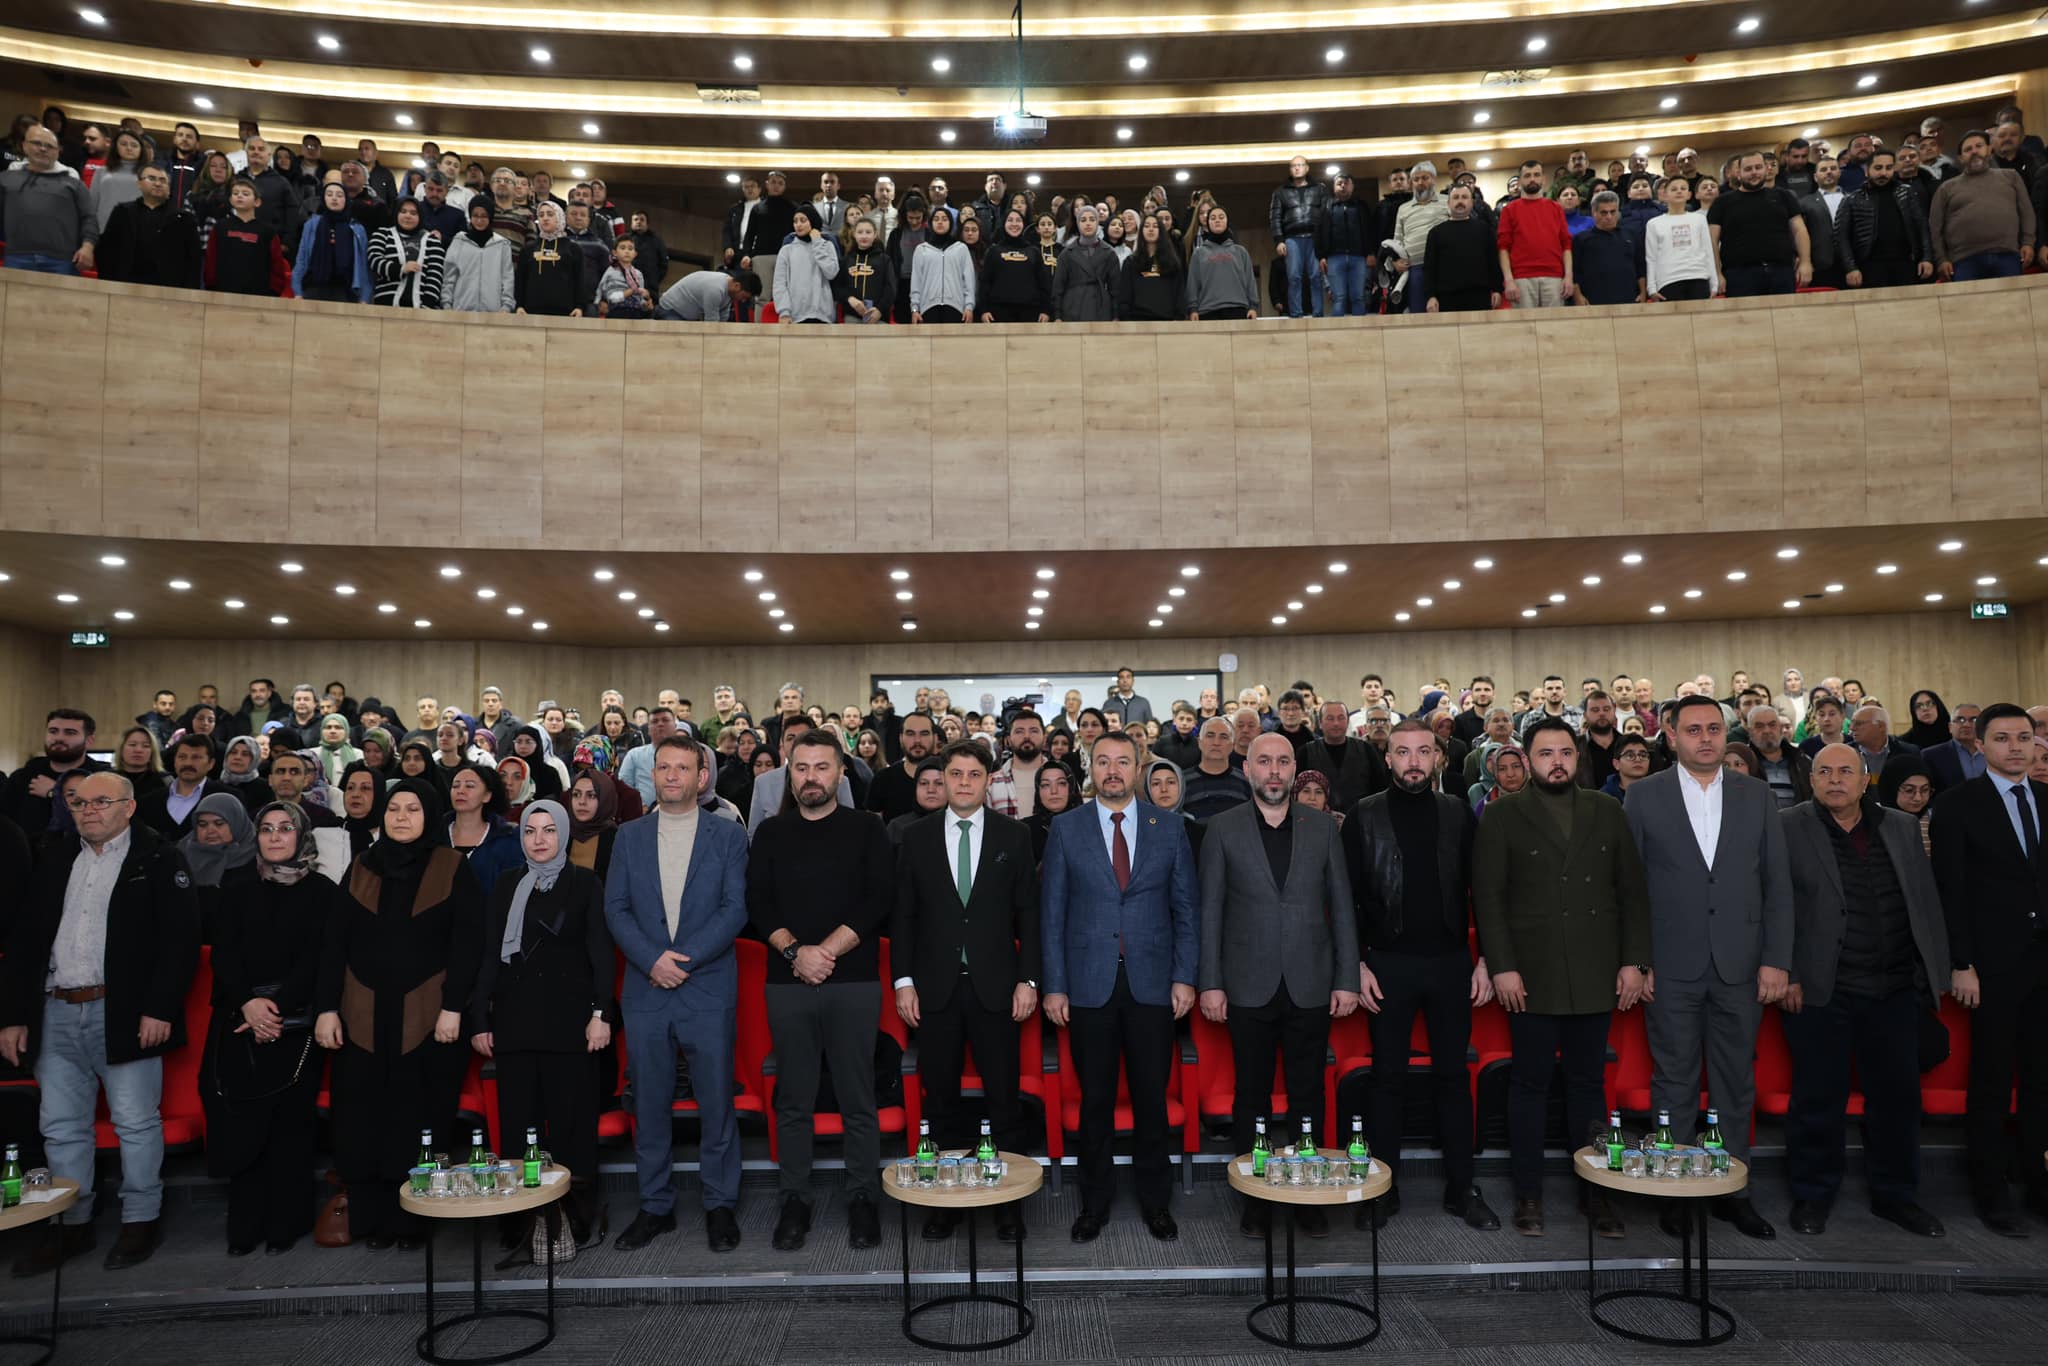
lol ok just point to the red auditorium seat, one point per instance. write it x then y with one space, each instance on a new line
1942 1090
1773 1065
1181 1101
1215 1076
1628 1081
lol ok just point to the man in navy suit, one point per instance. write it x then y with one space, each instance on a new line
674 898
1119 913
1960 758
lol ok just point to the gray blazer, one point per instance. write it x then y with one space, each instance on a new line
1255 936
1732 918
1820 912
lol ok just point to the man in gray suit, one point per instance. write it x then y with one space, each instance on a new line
1279 948
1720 934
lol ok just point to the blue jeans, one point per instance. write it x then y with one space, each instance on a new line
1302 277
1413 298
48 265
1347 287
71 1069
1746 282
1986 265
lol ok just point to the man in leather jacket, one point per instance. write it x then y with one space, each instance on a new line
1298 206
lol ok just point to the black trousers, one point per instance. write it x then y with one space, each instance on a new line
1302 1037
380 1105
1540 1042
1881 1037
272 1198
1464 301
1229 313
1010 313
555 1093
1685 291
1440 986
2008 1032
1140 1038
1888 274
943 1038
942 313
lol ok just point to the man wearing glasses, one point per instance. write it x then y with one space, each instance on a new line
93 988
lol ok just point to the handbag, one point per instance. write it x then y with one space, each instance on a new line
565 1240
331 1228
288 1020
299 1022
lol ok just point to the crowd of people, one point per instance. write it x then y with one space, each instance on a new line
388 894
446 233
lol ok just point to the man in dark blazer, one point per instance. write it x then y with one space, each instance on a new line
1279 949
1408 854
964 943
1959 758
1869 957
94 989
168 809
1354 767
1118 912
1986 835
1564 922
1720 934
674 899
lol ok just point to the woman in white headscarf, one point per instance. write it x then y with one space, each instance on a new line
335 752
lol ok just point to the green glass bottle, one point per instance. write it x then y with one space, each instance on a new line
927 1154
1662 1138
476 1149
986 1153
426 1148
10 1177
1307 1146
1716 1146
1615 1143
530 1162
1261 1150
1359 1154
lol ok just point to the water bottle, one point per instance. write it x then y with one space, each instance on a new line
927 1154
10 1177
1360 1155
986 1153
1261 1150
1662 1138
531 1161
1307 1146
1614 1141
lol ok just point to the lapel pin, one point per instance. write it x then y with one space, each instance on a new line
1151 820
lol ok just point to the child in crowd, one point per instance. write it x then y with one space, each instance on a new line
622 293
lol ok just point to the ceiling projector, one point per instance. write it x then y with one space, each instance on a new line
1021 127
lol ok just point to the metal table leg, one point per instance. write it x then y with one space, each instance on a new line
1708 1310
1293 1299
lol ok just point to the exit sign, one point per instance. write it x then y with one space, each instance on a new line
90 640
1988 611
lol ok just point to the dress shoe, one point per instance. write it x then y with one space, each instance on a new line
1675 1218
1257 1219
2000 1219
863 1223
1009 1223
137 1241
1598 1209
644 1229
1377 1212
1529 1218
721 1230
380 1242
1737 1210
1808 1217
1087 1227
794 1224
1909 1217
67 1241
1159 1223
939 1225
240 1249
1472 1208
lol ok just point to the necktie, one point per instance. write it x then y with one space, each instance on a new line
2033 838
963 876
1120 852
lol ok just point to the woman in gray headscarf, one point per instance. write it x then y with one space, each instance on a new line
241 768
220 849
1163 789
543 1008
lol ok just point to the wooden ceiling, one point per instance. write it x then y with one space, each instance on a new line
706 599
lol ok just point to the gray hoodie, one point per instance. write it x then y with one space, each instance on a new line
803 278
1220 276
477 279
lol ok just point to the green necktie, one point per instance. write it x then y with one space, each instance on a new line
963 876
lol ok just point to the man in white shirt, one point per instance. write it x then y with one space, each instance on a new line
1821 209
1678 250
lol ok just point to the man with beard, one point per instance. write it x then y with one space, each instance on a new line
1409 853
1471 723
893 792
67 735
1274 890
1596 746
1783 769
1721 913
636 770
1012 787
1354 767
1883 232
259 708
773 786
290 775
820 887
1559 924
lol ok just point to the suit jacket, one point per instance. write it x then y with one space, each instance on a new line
152 943
153 809
713 912
1732 918
998 927
1820 911
1994 899
1083 916
1257 937
1944 765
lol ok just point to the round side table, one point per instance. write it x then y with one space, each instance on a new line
1377 1183
21 1216
1591 1166
476 1210
1022 1177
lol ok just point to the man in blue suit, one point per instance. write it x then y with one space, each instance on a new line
674 898
1119 916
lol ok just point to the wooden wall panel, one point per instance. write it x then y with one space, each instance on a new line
661 441
742 434
1431 486
1120 461
1197 446
1275 470
1347 399
972 477
336 361
894 495
817 379
1744 460
583 401
1505 494
245 402
53 370
419 447
1821 412
1048 477
1580 392
2002 436
149 453
28 689
1906 431
503 378
1657 371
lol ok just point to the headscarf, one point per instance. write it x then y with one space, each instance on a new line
607 806
317 792
335 755
393 858
209 862
708 798
1151 768
381 737
525 792
1489 755
433 775
546 781
305 853
254 774
1897 769
1922 733
1315 777
593 750
363 831
1747 755
331 256
538 876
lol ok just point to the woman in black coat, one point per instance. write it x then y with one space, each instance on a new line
397 971
543 1008
261 1074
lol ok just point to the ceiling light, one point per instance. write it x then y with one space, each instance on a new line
1865 81
661 626
1279 621
1950 546
905 595
487 593
1295 605
280 621
175 585
1043 593
1737 575
1032 179
1749 26
1034 611
1138 61
647 613
1486 163
579 171
1537 44
1302 125
1933 597
1425 602
1045 573
124 616
751 576
1482 564
449 571
1317 588
1834 588
602 575
1809 133
909 626
1987 580
1453 585
1164 609
743 62
1557 597
1887 569
421 622
291 567
1693 593
1656 609
732 177
1483 116
541 55
2042 561
232 604
764 595
591 129
1643 150
73 597
900 575
947 135
1591 581
1123 135
1790 602
1333 170
201 102
112 561
1528 611
540 626
1338 567
786 626
1031 626
772 134
1401 616
1333 55
515 611
1189 571
942 64
1181 177
329 41
92 16
402 120
1668 102
1155 622
1633 557
347 590
628 595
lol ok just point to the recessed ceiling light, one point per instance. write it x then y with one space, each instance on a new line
539 625
786 626
1123 135
1279 621
1333 170
1296 605
1031 626
772 134
1045 573
1482 564
1668 102
329 42
1156 621
1865 81
1302 125
904 595
1633 557
1591 581
743 61
402 120
908 626
645 614
124 616
1643 151
175 585
347 590
421 622
1693 593
947 135
1032 179
1809 133
1425 602
751 576
628 595
1528 611
732 177
1313 588
449 571
1887 569
1790 602
291 567
1401 616
1790 552
764 595
1189 571
1950 546
2042 561
1164 608
1339 567
387 608
233 604
280 620
661 626
1333 55
1749 26
591 129
1034 611
1737 575
1181 177
1176 592
602 575
1656 609
1138 61
540 54
1043 593
1453 585
1483 116
1987 580
942 64
201 102
1486 163
579 171
515 610
1933 597
774 613
487 593
1557 597
1834 588
92 16
900 575
112 561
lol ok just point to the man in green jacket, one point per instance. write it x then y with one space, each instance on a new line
1564 918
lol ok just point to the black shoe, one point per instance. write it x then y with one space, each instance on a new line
721 1230
1159 1223
134 1246
1473 1210
1311 1221
1529 1218
1809 1217
240 1249
1377 1212
411 1242
2000 1219
279 1249
794 1224
644 1229
939 1225
514 1229
1676 1218
1087 1227
1909 1217
1009 1223
2037 1203
68 1241
863 1223
1737 1210
1597 1208
380 1242
1256 1219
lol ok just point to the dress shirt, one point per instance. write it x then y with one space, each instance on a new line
1971 762
78 955
1130 828
2005 787
977 825
1703 809
181 806
675 841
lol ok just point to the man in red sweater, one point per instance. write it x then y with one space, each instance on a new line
1535 247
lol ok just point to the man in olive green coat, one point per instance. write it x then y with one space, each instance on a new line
1564 921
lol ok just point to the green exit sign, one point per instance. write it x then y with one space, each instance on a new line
1989 611
90 640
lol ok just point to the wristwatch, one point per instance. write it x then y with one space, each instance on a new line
789 954
1029 983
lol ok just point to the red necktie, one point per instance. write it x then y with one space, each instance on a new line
1120 853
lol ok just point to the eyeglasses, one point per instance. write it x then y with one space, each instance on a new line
276 830
93 803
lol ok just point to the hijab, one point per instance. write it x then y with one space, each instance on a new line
383 739
1897 769
432 776
936 240
1925 733
331 258
335 755
546 781
539 877
254 774
607 808
708 798
1152 768
525 792
363 831
305 853
594 750
1315 777
1489 754
391 857
209 862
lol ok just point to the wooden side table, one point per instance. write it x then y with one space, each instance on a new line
36 1212
1377 1183
477 1210
1591 1166
1022 1177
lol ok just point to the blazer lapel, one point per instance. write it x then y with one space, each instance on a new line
1823 853
1684 814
